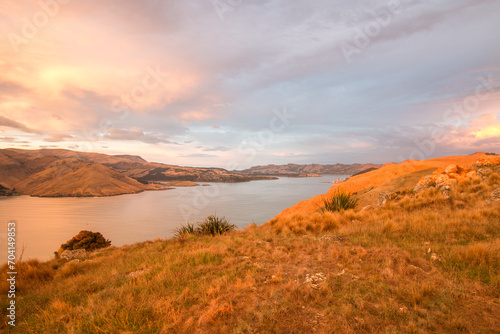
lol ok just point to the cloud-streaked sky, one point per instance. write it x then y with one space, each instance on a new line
240 83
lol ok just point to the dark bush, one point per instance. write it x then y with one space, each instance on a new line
86 240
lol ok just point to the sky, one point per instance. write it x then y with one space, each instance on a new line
237 83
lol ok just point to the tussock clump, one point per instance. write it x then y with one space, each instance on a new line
184 230
30 273
212 225
341 200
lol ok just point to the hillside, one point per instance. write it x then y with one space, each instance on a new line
424 262
75 178
57 172
389 178
308 170
144 171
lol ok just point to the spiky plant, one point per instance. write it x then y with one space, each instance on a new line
212 225
341 200
188 229
215 225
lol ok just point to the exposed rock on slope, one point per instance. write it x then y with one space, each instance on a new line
444 179
389 178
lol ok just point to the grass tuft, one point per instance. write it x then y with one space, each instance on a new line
341 200
212 225
184 230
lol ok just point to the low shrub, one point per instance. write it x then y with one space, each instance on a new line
85 240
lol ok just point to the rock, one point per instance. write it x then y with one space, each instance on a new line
435 257
471 174
426 181
495 195
73 254
419 188
455 176
441 179
315 279
382 198
368 207
137 273
334 238
483 172
451 169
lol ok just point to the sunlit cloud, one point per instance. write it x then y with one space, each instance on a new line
486 126
138 77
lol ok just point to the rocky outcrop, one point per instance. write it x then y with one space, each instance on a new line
74 254
445 179
488 160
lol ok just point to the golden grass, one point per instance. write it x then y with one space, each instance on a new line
420 264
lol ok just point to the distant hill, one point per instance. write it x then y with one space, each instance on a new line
57 172
309 170
75 178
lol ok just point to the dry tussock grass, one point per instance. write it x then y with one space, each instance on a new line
420 264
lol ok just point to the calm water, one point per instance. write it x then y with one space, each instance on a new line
43 224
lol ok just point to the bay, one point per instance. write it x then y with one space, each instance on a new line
43 224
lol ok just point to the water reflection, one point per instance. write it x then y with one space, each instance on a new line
44 223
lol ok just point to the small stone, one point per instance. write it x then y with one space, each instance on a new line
451 169
136 273
334 238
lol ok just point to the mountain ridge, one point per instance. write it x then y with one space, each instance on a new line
299 170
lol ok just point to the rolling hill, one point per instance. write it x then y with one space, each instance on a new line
295 170
57 172
389 178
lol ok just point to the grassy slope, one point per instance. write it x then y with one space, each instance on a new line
383 176
420 264
72 177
